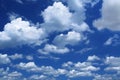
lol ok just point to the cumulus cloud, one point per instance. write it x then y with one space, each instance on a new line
19 32
110 16
30 66
113 63
7 74
53 49
4 59
80 69
93 58
71 38
53 17
63 19
59 18
69 69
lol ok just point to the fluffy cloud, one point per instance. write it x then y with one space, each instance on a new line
93 58
19 32
53 17
113 63
110 16
59 18
4 59
53 49
71 38
79 69
6 74
68 69
30 66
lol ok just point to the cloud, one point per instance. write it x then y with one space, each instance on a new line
63 19
79 69
59 18
4 59
93 58
16 56
53 49
113 63
30 66
68 69
114 40
110 16
6 74
19 32
12 16
53 17
71 38
107 77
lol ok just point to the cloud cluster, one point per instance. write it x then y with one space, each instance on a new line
19 32
70 70
57 18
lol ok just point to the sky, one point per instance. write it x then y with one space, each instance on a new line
59 39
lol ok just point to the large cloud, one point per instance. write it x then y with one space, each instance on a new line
57 17
110 16
19 32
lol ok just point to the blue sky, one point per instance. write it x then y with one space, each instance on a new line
59 39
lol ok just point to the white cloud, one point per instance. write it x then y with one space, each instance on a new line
4 59
71 38
7 74
69 69
15 74
93 58
63 19
38 77
53 17
30 66
19 32
107 77
79 69
113 63
110 16
53 49
16 56
114 40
